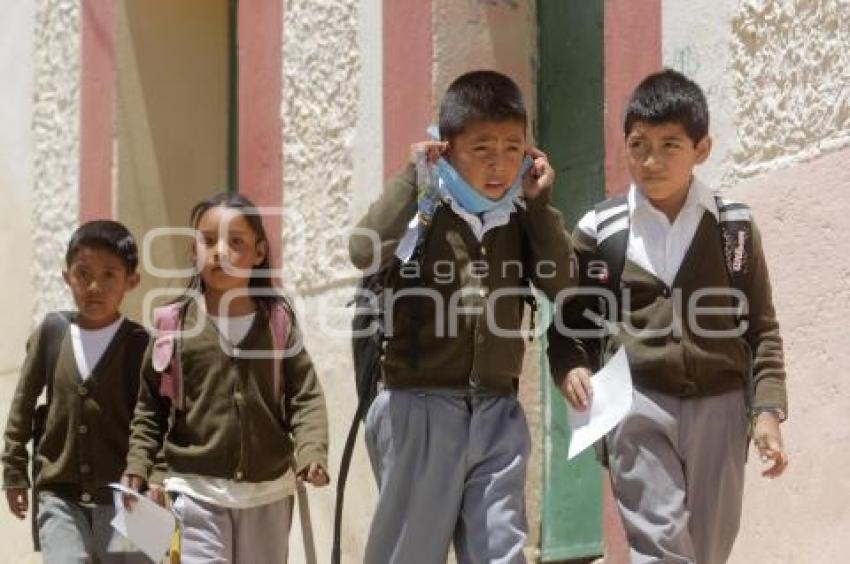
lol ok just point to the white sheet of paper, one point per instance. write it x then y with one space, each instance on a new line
611 401
148 525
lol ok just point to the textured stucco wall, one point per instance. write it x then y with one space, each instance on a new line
56 146
804 216
775 74
331 170
321 69
791 65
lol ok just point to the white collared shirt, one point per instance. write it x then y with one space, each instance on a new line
655 244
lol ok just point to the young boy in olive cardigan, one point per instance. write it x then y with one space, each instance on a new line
92 390
447 437
677 459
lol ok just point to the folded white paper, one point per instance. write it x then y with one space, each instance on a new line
611 401
147 525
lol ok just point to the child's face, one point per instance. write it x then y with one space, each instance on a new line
661 159
226 249
488 154
98 280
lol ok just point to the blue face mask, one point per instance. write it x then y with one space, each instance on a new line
470 199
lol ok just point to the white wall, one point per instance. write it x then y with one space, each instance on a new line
39 105
16 246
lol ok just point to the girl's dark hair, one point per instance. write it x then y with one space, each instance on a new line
482 95
255 222
106 235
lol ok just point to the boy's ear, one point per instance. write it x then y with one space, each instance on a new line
133 281
66 276
703 149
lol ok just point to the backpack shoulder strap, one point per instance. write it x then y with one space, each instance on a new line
612 238
166 352
736 231
53 332
279 322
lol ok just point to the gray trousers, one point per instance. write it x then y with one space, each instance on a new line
449 468
71 533
677 468
210 534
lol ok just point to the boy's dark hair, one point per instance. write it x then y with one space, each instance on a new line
669 97
482 95
106 235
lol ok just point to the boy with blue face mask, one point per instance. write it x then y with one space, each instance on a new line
446 436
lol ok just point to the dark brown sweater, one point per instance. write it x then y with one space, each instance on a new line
434 344
231 425
84 446
684 364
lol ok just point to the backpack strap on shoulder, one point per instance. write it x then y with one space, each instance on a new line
166 358
612 239
54 326
279 322
736 231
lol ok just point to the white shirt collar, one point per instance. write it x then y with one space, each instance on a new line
699 196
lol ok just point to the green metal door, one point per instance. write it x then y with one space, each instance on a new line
570 130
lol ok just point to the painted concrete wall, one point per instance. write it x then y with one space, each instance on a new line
16 223
16 141
776 78
171 150
485 34
803 214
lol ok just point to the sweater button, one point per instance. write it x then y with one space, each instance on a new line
482 292
86 497
483 251
85 468
83 429
239 475
665 292
83 391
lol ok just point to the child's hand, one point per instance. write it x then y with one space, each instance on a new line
577 388
156 494
18 501
135 483
540 176
315 474
431 149
768 440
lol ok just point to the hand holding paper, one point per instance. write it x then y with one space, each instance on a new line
147 525
609 401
